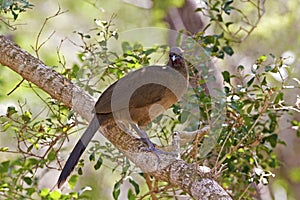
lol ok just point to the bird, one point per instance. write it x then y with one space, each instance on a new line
135 100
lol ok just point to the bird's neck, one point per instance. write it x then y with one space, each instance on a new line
181 68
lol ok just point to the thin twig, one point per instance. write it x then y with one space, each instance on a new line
38 46
18 85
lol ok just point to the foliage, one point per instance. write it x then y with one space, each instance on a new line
235 19
253 106
251 134
36 140
99 63
15 8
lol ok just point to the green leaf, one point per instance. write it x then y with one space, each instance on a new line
116 193
228 50
14 14
27 180
55 195
220 54
279 97
4 149
87 36
209 39
30 148
80 172
32 161
227 8
4 166
135 185
130 195
219 18
261 59
249 83
103 43
44 192
51 155
99 163
264 81
176 110
272 140
11 110
30 191
149 51
7 126
228 24
268 68
72 181
198 9
250 108
226 76
240 68
26 117
295 123
92 156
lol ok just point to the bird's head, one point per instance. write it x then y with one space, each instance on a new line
176 59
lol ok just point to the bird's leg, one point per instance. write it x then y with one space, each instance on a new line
146 139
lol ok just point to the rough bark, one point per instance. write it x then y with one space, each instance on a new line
195 180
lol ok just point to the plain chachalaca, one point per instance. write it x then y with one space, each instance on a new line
135 100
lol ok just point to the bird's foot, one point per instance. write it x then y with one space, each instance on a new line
147 141
151 148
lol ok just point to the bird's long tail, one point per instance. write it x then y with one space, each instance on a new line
78 150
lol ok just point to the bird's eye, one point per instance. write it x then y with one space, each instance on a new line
174 57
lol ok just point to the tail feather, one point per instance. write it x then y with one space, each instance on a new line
78 150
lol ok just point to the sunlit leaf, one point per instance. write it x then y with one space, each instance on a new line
55 195
72 181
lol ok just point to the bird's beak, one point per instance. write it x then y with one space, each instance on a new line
173 58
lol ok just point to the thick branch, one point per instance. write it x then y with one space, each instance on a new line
197 181
35 71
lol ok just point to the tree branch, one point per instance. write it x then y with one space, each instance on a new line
195 180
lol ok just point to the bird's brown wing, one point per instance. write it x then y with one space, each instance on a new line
103 105
148 95
141 88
